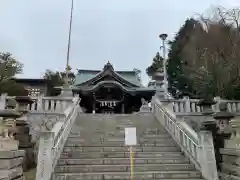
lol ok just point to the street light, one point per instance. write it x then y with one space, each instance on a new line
163 37
67 69
66 90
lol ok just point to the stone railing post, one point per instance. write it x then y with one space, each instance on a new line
218 100
187 104
40 103
3 98
45 160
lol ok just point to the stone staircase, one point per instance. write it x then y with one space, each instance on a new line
95 150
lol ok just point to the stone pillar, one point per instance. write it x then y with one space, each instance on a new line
207 153
187 105
218 102
3 98
206 141
40 103
45 159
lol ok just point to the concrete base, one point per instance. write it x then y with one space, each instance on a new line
11 165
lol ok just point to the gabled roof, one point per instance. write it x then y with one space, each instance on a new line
84 76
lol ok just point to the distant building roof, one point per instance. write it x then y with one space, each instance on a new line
84 75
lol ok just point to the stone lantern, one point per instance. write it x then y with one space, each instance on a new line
22 135
206 105
23 103
223 131
207 122
11 103
223 118
8 129
10 155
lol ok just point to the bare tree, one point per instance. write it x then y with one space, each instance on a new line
213 51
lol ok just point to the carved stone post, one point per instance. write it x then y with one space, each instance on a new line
206 134
218 101
207 155
3 98
40 103
45 156
187 105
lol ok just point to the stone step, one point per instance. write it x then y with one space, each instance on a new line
77 154
177 175
90 149
117 144
90 135
117 140
123 168
124 161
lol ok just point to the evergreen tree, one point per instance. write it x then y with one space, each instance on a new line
178 80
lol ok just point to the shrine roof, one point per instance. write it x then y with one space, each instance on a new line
84 75
30 80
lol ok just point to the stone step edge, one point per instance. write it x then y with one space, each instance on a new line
127 158
127 173
127 165
115 146
127 152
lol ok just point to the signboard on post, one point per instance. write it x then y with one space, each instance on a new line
130 136
131 140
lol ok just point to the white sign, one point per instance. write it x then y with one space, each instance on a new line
130 136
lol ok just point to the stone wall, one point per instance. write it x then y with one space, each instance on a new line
230 167
10 161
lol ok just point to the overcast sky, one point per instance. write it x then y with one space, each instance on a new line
124 32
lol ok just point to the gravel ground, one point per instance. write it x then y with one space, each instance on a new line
30 175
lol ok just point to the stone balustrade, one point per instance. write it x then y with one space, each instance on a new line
186 105
49 104
198 146
43 104
52 141
42 114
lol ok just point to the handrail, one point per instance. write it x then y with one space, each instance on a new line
189 145
52 143
58 146
181 129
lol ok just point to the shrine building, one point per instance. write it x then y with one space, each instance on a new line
110 91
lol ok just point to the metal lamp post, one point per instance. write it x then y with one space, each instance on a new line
163 37
66 90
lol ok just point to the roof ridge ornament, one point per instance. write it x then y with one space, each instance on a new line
108 66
